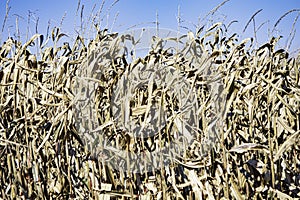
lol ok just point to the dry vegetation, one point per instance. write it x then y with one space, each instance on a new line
240 105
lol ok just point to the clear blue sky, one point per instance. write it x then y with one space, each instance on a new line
133 12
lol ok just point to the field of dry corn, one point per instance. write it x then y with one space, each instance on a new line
223 115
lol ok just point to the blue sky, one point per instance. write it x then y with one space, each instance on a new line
142 13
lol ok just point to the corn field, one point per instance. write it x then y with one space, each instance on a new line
206 117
